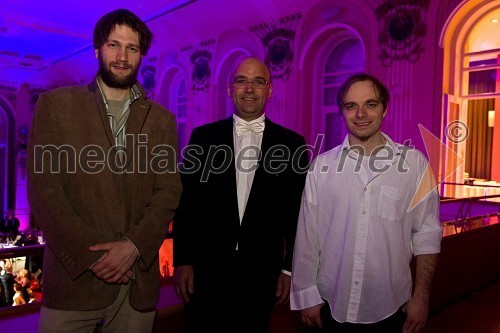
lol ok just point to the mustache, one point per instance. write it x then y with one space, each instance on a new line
122 64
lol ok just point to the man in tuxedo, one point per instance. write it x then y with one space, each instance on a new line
234 230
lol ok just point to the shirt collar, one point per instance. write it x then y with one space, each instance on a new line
135 93
388 142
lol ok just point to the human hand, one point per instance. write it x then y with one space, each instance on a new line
416 315
184 281
115 265
127 277
283 289
311 316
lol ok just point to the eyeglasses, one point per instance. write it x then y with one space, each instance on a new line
257 83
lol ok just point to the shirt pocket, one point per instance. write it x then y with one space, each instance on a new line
392 203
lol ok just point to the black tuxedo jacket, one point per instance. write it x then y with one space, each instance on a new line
207 226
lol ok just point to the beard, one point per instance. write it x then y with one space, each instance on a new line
115 81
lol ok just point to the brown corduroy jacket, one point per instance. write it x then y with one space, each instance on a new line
80 197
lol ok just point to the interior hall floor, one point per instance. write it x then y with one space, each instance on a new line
478 312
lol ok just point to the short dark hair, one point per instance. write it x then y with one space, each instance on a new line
382 91
107 23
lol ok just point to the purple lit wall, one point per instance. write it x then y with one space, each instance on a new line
45 44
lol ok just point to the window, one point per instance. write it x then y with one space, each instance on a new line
480 84
471 92
346 58
181 108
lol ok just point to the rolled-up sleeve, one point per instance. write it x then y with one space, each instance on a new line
427 231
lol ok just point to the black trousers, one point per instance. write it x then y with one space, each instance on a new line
230 298
392 324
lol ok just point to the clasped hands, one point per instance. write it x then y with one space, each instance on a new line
115 265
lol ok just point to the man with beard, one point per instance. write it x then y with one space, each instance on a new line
105 217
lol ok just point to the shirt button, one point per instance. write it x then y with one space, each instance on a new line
118 200
356 283
364 212
365 189
359 259
362 236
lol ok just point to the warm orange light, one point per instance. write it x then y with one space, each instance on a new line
495 20
166 259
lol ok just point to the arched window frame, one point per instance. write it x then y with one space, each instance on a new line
328 121
457 39
179 105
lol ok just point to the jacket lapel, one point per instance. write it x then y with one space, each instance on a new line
228 139
139 110
267 143
101 110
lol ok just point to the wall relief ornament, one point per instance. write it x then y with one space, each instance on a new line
277 38
402 28
201 60
22 149
148 74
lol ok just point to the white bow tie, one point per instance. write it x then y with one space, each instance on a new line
243 128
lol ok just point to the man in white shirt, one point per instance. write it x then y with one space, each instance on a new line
368 206
234 230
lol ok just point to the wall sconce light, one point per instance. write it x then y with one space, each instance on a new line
491 118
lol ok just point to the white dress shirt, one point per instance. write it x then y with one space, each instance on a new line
357 232
246 152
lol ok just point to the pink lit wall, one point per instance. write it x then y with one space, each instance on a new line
411 62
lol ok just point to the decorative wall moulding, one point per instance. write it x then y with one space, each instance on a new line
402 28
148 74
22 149
277 38
201 60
